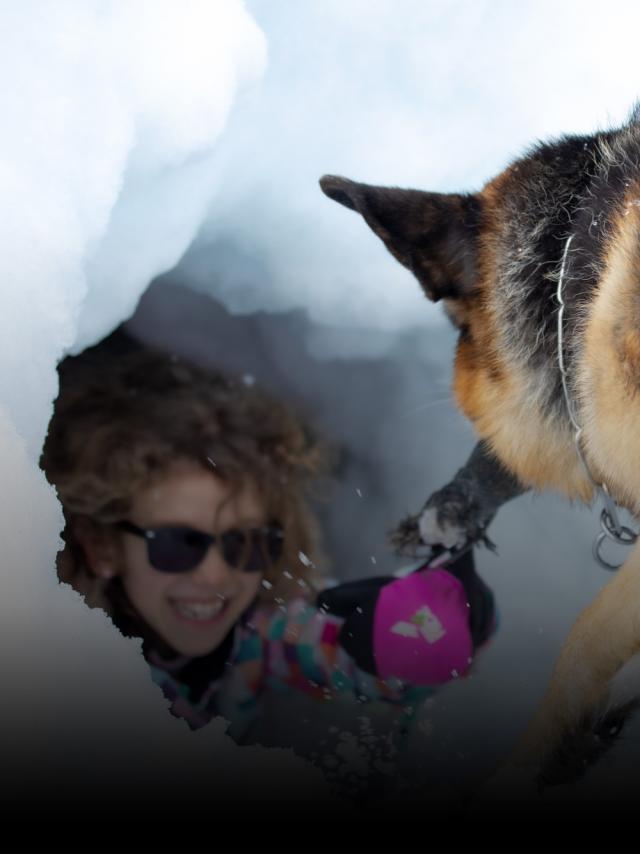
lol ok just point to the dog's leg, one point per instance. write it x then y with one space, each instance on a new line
603 639
464 507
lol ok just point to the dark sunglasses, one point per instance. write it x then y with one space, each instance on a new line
176 549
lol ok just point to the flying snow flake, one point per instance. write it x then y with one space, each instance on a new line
304 560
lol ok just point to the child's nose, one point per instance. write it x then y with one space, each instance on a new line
213 569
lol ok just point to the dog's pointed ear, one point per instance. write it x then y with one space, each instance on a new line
433 234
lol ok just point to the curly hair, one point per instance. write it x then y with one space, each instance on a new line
121 422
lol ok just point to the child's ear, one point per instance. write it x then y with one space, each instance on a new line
432 234
99 545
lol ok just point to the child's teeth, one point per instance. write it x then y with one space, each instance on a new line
201 612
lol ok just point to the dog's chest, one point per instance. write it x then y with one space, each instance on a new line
510 408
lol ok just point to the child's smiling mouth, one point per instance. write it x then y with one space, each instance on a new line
200 610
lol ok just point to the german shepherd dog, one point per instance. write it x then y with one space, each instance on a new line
554 396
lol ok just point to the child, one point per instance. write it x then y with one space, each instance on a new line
185 498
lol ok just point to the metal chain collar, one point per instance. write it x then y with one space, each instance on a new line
609 520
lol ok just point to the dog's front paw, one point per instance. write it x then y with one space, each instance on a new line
576 724
436 529
452 517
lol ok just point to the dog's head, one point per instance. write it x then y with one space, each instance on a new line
461 245
441 239
492 258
